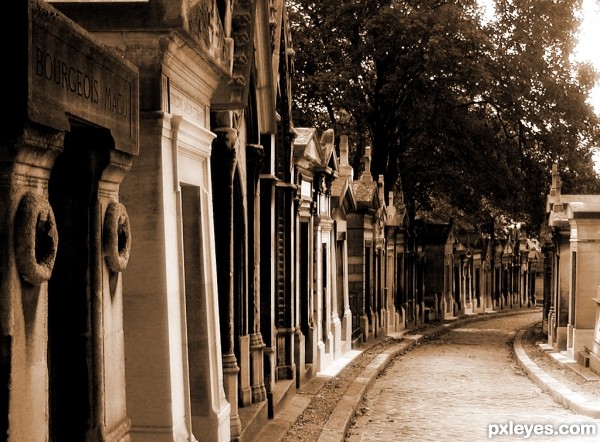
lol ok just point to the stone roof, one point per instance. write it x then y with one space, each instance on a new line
303 135
341 189
307 149
338 185
364 193
571 207
566 199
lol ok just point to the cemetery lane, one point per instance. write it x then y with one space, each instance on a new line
465 385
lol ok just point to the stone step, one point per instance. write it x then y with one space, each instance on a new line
283 390
583 358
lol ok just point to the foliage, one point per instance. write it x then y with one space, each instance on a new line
456 108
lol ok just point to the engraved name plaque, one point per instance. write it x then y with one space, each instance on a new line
73 76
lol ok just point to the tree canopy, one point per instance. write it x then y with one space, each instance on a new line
460 112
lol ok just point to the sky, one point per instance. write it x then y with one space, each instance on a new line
589 42
588 48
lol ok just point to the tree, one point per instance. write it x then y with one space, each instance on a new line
456 109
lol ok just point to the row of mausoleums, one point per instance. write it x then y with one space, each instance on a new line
571 246
176 258
466 271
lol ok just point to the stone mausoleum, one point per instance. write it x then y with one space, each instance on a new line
574 257
176 257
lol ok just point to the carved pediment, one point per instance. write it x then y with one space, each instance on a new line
232 92
205 26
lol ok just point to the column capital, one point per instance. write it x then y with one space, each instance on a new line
226 143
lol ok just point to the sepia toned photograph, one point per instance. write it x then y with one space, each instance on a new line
300 221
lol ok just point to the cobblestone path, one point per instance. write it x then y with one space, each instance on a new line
465 385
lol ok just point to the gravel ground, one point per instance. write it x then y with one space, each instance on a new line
309 424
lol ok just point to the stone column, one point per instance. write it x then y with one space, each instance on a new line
390 277
347 319
328 312
364 315
336 324
267 280
548 257
225 155
255 154
113 240
299 290
25 170
318 296
284 292
561 306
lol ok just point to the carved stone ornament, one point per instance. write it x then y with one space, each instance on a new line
116 237
226 142
36 238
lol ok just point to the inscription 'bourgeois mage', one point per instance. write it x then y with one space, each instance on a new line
75 81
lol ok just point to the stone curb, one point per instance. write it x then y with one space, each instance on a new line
339 422
336 427
558 391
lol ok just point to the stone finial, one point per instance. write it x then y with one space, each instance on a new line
327 137
555 189
343 150
380 182
556 184
391 208
345 168
400 194
366 175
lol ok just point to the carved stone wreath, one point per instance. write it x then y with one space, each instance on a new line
36 238
116 237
